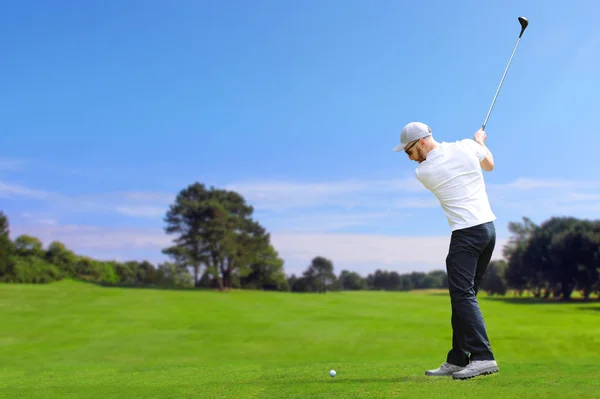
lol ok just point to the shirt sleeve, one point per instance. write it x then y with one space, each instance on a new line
476 148
420 178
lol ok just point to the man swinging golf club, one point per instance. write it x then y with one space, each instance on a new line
453 173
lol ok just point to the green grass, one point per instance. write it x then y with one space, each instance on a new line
77 340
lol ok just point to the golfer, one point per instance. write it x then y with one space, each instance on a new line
453 173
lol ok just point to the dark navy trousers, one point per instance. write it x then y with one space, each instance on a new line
468 257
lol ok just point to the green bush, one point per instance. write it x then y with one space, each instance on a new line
34 270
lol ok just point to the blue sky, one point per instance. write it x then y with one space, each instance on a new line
110 108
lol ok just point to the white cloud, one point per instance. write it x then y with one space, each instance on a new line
364 253
15 191
128 203
83 238
39 218
282 195
141 211
361 248
572 197
399 193
321 220
374 205
361 205
542 199
148 196
527 184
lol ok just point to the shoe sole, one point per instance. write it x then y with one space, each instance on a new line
488 371
437 375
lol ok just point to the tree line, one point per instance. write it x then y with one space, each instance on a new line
218 244
554 259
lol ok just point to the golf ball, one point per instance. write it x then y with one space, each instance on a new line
332 373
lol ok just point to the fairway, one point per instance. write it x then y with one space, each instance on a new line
76 340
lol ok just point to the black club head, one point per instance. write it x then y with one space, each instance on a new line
524 22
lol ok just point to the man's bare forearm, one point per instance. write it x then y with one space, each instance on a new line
488 162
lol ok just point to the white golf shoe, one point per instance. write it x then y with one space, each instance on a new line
476 368
444 370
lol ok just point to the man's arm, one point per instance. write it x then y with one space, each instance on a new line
487 163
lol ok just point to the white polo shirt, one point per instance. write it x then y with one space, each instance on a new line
452 172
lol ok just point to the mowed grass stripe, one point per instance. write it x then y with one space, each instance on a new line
72 339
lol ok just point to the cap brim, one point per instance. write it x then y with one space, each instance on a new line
399 147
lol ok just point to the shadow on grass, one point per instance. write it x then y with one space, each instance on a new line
590 308
145 287
178 288
536 301
525 300
391 380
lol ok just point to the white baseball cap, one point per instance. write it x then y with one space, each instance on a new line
411 132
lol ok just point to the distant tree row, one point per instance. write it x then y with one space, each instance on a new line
320 277
554 259
217 244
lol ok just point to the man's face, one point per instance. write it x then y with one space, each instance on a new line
416 151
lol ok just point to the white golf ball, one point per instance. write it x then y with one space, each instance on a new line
332 373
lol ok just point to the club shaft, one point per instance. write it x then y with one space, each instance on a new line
500 85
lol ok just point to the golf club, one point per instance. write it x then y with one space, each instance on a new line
524 22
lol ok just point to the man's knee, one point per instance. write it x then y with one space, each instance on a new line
461 292
460 268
